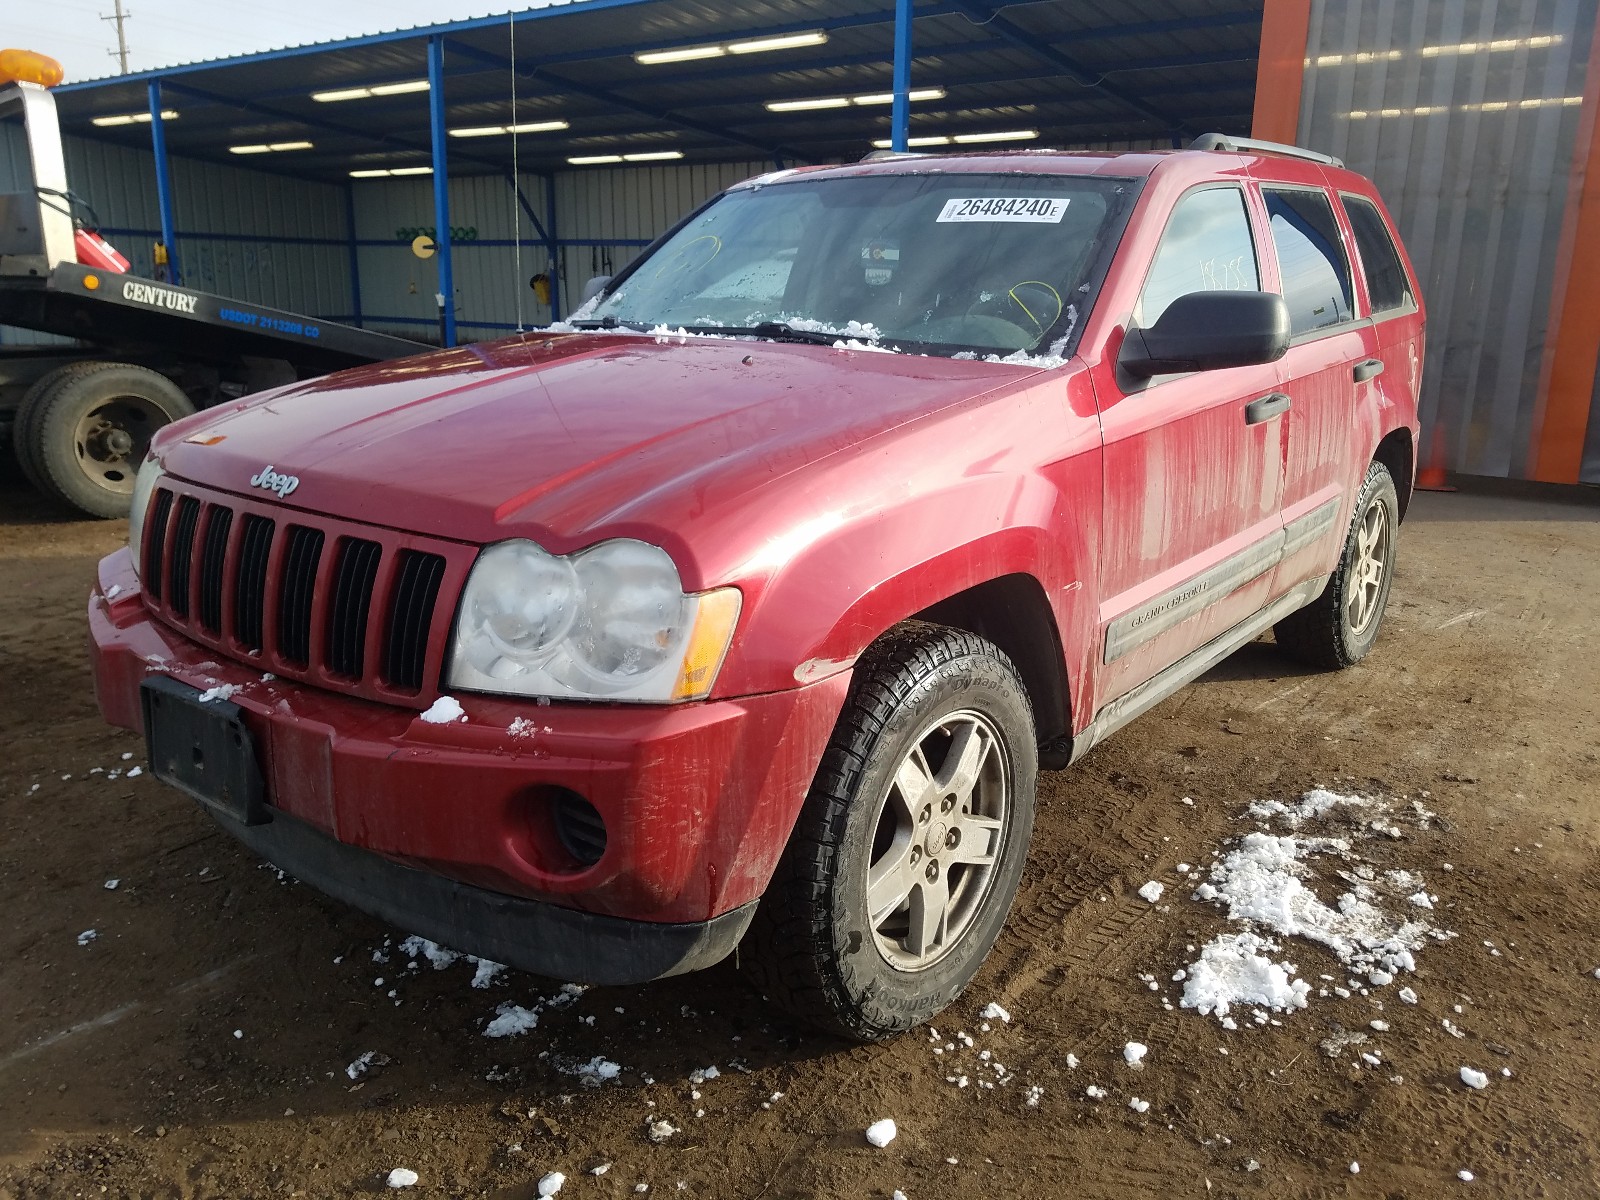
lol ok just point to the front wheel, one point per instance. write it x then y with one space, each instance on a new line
908 851
1338 628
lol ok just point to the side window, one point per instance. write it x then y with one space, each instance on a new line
1206 248
1380 261
1316 277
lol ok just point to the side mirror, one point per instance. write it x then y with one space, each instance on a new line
593 288
1204 331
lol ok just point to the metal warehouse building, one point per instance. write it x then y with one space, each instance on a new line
300 178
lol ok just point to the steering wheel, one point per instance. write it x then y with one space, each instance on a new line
1030 305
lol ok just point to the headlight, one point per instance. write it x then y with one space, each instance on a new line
143 485
608 623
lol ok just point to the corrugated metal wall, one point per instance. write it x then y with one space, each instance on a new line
603 206
1465 113
274 240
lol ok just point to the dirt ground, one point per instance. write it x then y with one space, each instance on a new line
197 1046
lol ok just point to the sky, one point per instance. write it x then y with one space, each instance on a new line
163 33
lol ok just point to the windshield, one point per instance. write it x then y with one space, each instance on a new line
937 263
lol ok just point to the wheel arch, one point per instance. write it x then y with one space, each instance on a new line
1013 612
1397 452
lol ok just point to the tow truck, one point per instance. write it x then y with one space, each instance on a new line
139 353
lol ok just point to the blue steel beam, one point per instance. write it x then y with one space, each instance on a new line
441 191
355 252
158 147
555 248
900 117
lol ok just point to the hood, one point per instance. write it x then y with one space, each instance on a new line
563 438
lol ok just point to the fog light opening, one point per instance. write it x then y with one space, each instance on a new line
579 826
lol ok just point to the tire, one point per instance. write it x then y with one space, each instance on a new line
88 431
1338 628
813 949
29 413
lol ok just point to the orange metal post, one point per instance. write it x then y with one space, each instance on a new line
1568 372
1280 72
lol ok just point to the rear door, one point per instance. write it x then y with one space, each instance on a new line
1192 471
1328 353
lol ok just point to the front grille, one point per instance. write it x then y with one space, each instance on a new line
350 607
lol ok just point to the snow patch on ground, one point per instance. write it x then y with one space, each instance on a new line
444 710
881 1133
511 1020
993 1012
402 1177
1264 882
1152 891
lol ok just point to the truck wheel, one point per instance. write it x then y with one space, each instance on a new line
908 850
88 431
1338 628
29 412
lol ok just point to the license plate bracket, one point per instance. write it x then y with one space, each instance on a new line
204 749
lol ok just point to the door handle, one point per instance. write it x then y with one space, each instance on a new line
1370 369
1265 408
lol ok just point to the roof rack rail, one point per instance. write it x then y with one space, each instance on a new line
1223 141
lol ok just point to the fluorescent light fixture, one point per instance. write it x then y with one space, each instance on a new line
138 118
685 54
269 147
636 156
1008 135
917 94
366 93
789 41
808 105
887 144
521 127
384 172
399 89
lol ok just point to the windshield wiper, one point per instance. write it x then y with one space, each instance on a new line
601 323
777 331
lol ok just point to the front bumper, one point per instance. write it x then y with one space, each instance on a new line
448 830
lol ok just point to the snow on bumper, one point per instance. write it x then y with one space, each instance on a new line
698 800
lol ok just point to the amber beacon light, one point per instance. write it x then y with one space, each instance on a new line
29 66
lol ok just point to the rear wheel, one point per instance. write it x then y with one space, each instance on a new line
1338 628
907 854
83 434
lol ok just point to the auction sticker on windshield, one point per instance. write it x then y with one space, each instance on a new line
1036 209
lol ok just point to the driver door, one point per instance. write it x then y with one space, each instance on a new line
1193 466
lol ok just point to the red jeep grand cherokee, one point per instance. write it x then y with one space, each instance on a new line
748 605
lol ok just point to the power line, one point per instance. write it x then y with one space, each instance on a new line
121 52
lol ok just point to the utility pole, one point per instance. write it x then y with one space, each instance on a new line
121 52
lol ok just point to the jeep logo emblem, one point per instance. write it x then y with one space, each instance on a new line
271 481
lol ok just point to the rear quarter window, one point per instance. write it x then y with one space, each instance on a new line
1380 261
1311 259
